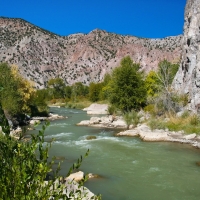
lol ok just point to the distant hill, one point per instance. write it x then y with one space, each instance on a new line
41 55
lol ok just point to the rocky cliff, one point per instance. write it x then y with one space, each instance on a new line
187 80
42 55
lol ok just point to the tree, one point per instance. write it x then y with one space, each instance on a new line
25 89
165 75
152 84
127 86
79 90
17 93
105 91
94 91
38 104
57 86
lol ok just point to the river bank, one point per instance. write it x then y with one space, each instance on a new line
142 131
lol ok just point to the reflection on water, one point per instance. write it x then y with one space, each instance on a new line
131 169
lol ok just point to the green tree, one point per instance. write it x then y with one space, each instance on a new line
152 84
79 90
68 92
94 91
39 103
105 91
57 87
10 97
128 90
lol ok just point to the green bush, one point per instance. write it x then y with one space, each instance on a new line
131 118
194 120
24 166
150 109
112 110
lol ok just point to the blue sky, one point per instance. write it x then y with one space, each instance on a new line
143 18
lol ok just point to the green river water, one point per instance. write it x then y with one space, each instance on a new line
129 168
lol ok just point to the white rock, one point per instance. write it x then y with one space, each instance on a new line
189 137
84 123
34 121
97 109
95 120
78 176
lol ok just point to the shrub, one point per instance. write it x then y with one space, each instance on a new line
24 167
150 109
112 110
194 120
131 118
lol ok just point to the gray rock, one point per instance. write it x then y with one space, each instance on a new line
187 79
95 120
190 137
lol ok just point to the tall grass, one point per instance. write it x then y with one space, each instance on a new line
187 123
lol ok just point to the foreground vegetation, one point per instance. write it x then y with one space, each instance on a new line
24 167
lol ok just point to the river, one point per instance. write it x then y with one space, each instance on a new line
130 169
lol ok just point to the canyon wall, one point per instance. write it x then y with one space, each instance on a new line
187 79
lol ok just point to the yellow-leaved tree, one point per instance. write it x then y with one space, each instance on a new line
25 88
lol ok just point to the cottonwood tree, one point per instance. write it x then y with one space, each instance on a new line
127 86
17 93
164 77
56 87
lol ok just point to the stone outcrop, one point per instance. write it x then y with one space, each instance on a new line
41 55
105 121
146 134
187 80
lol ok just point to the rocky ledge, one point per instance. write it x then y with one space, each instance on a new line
104 121
146 134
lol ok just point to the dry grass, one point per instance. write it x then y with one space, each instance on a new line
188 123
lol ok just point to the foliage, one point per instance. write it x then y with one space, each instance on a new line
166 73
25 88
156 124
56 87
150 108
105 91
152 84
39 103
188 123
10 97
68 92
24 166
94 91
112 110
131 118
127 86
78 90
160 92
18 92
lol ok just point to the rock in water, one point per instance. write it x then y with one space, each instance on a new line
187 79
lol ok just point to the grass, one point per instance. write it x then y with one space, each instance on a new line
187 123
82 103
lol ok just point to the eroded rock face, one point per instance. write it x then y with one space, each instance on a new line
187 79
